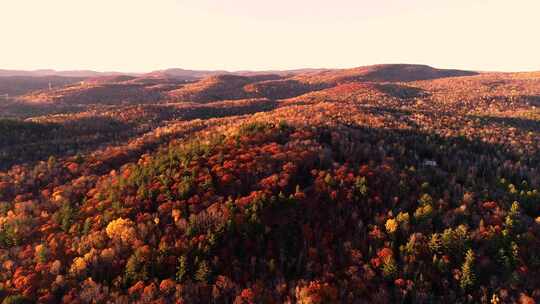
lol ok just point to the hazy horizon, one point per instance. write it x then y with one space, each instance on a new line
137 37
256 70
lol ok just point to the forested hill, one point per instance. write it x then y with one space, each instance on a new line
381 184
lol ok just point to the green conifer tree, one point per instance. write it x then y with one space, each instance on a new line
468 277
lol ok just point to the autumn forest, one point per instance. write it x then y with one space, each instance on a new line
377 184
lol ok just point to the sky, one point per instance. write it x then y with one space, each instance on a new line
147 35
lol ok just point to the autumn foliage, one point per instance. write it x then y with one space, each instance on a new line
425 191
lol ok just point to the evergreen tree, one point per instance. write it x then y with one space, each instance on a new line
182 269
468 277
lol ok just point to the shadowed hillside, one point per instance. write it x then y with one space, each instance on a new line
20 85
218 88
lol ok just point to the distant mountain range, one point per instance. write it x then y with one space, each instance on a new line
176 73
48 72
18 82
206 86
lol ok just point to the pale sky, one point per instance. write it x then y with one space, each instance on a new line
145 35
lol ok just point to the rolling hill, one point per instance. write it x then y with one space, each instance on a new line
177 85
20 85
